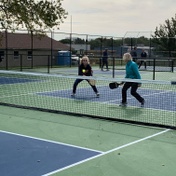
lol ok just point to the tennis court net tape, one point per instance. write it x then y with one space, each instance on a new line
52 93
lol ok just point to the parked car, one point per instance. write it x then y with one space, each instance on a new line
75 59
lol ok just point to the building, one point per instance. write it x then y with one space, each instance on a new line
28 50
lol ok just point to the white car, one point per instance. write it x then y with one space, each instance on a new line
74 58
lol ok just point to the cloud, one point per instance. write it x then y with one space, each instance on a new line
116 17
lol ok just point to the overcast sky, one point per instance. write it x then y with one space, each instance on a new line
116 17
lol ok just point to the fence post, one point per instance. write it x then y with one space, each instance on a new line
6 38
51 48
86 44
101 50
48 63
21 63
113 58
32 48
70 49
172 65
154 65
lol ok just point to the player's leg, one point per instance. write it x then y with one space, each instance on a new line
107 64
94 88
126 86
145 64
77 81
140 63
134 93
103 63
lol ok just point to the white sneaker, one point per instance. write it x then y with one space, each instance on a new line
142 103
73 95
123 104
98 95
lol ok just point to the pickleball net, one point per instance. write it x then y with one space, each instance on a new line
52 93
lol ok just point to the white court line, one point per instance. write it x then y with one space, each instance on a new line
49 141
105 153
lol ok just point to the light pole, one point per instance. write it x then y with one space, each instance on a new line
71 28
4 26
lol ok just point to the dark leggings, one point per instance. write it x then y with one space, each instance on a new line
145 65
134 87
105 63
77 81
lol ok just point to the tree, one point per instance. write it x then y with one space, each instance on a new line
95 43
34 15
79 41
165 35
65 41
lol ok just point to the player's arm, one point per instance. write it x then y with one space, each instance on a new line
89 71
81 70
136 71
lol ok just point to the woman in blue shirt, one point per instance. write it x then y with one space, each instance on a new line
132 72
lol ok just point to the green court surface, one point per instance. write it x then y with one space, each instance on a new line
47 111
126 149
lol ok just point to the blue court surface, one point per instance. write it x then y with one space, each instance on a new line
8 80
155 99
26 156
